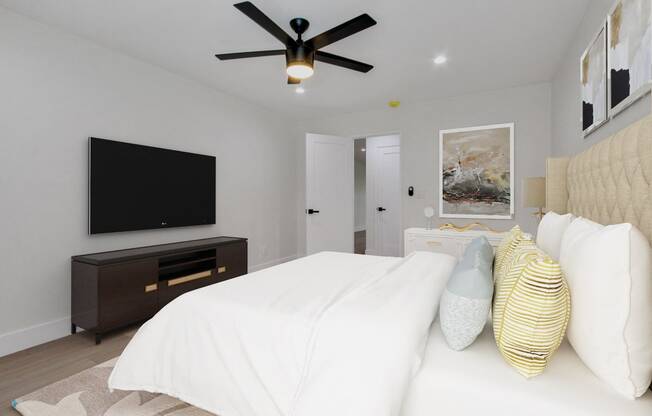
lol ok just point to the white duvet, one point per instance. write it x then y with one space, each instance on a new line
329 334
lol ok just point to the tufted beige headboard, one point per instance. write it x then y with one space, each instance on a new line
609 183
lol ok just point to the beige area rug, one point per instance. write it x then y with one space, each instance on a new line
87 394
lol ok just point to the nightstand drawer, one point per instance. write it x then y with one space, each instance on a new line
436 244
445 241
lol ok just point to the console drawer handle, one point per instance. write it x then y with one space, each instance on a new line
189 278
434 243
221 269
151 288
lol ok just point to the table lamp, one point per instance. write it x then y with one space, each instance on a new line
534 195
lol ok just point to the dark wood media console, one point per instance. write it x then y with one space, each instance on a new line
117 288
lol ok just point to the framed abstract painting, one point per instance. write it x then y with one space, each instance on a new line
629 52
476 172
593 77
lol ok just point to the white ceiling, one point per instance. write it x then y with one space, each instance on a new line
490 45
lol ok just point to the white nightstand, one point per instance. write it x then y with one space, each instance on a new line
446 241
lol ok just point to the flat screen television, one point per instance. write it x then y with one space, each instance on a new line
135 187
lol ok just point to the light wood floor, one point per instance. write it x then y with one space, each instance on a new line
29 370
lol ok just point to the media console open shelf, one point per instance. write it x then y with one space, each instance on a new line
117 288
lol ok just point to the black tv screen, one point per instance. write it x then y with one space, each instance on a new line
135 187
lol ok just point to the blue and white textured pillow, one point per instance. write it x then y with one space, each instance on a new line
478 250
466 302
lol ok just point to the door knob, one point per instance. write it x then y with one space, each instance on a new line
312 211
381 209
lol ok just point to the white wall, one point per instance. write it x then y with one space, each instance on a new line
567 136
419 124
360 191
56 91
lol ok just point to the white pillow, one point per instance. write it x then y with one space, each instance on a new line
609 273
550 232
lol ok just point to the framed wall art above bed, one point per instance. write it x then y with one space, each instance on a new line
629 52
593 77
476 172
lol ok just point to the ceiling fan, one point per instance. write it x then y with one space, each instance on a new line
299 54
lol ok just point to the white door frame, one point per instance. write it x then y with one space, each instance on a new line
365 136
371 214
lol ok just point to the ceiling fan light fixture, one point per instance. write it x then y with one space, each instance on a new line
300 70
300 62
300 54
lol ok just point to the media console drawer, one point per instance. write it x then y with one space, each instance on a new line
114 289
229 262
122 294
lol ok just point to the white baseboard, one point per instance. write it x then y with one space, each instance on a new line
24 338
262 266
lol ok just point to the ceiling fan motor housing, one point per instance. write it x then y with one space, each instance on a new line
300 55
299 25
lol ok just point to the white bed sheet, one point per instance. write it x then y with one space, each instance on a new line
477 381
329 334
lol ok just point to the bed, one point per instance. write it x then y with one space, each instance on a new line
351 335
609 183
330 333
478 381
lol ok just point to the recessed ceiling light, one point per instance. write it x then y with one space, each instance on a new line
363 149
441 59
300 90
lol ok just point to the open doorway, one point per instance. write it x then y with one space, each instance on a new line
353 194
377 195
360 196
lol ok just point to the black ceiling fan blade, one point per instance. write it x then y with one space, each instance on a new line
342 31
329 58
294 80
265 22
255 54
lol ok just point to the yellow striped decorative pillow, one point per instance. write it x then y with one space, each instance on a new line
521 255
535 316
502 247
507 252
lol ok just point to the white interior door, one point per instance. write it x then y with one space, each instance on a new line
384 195
329 194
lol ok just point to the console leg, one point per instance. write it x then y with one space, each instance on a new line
73 329
98 339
